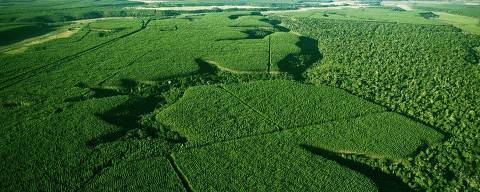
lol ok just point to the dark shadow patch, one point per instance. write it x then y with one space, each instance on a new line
420 148
191 19
10 105
257 33
296 64
428 15
384 182
127 116
236 16
126 87
173 136
135 88
15 104
107 32
276 24
96 93
58 110
398 9
17 34
205 67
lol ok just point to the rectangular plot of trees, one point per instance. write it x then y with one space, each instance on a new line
296 105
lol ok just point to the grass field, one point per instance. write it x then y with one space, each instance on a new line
469 24
467 21
106 96
370 14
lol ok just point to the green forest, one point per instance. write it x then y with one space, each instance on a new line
251 95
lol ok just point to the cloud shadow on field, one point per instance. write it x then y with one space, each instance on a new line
384 182
297 63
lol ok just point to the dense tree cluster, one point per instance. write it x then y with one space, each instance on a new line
428 72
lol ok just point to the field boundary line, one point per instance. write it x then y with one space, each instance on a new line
36 71
279 127
279 131
125 66
97 172
180 175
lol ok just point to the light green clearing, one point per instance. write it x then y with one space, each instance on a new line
468 24
369 14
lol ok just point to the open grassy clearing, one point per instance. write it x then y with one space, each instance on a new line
50 11
382 14
391 14
457 9
48 53
468 24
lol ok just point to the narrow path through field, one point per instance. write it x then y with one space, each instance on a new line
181 176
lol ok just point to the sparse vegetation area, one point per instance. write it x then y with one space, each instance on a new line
294 96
